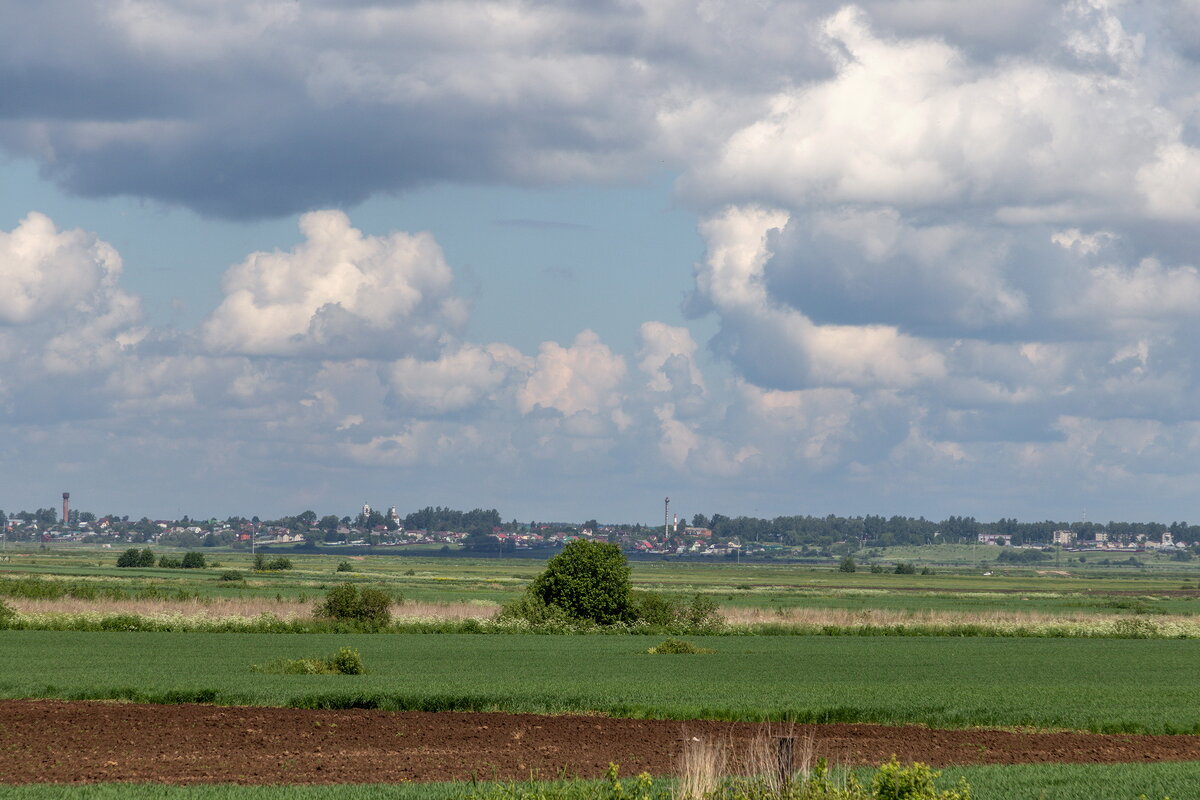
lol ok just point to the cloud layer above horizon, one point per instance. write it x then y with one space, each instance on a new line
950 253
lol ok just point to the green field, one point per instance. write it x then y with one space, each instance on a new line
1099 685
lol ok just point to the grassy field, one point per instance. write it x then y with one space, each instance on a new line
1096 591
1017 782
1099 685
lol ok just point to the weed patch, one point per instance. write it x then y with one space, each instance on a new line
346 661
678 647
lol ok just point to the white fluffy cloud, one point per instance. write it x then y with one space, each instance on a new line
586 376
916 123
458 380
62 309
339 293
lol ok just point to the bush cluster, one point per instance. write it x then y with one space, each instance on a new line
264 564
189 561
345 566
367 608
136 558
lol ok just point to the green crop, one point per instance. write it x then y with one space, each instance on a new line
942 682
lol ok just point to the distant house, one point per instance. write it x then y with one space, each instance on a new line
996 538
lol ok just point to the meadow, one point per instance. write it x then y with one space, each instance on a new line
1171 588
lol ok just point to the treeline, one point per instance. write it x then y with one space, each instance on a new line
878 531
477 521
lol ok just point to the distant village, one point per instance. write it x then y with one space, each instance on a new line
1100 541
445 531
369 528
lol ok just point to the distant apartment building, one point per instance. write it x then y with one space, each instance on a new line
1064 537
1101 537
996 538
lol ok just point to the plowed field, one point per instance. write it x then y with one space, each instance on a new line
58 741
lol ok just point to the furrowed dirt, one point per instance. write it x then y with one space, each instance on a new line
84 742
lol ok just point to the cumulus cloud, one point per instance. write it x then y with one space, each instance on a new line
781 347
458 380
916 123
339 292
584 377
62 309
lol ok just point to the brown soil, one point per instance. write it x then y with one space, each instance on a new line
58 741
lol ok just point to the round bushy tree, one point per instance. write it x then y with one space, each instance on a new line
587 580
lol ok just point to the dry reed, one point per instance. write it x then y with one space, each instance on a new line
774 759
845 617
223 608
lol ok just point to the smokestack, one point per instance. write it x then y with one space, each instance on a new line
676 528
666 517
66 507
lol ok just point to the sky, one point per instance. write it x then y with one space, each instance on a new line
917 257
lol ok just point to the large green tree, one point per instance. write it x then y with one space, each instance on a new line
587 580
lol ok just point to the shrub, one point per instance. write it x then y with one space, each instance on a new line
530 608
876 569
848 565
677 647
263 564
346 603
894 781
654 608
701 612
905 569
587 580
193 561
346 661
136 558
7 614
170 562
231 575
345 566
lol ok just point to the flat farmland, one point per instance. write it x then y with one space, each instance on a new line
1168 588
1102 685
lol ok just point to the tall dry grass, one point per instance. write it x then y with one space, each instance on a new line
444 611
765 762
222 608
849 617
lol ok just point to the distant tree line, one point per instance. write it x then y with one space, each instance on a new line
878 531
477 521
